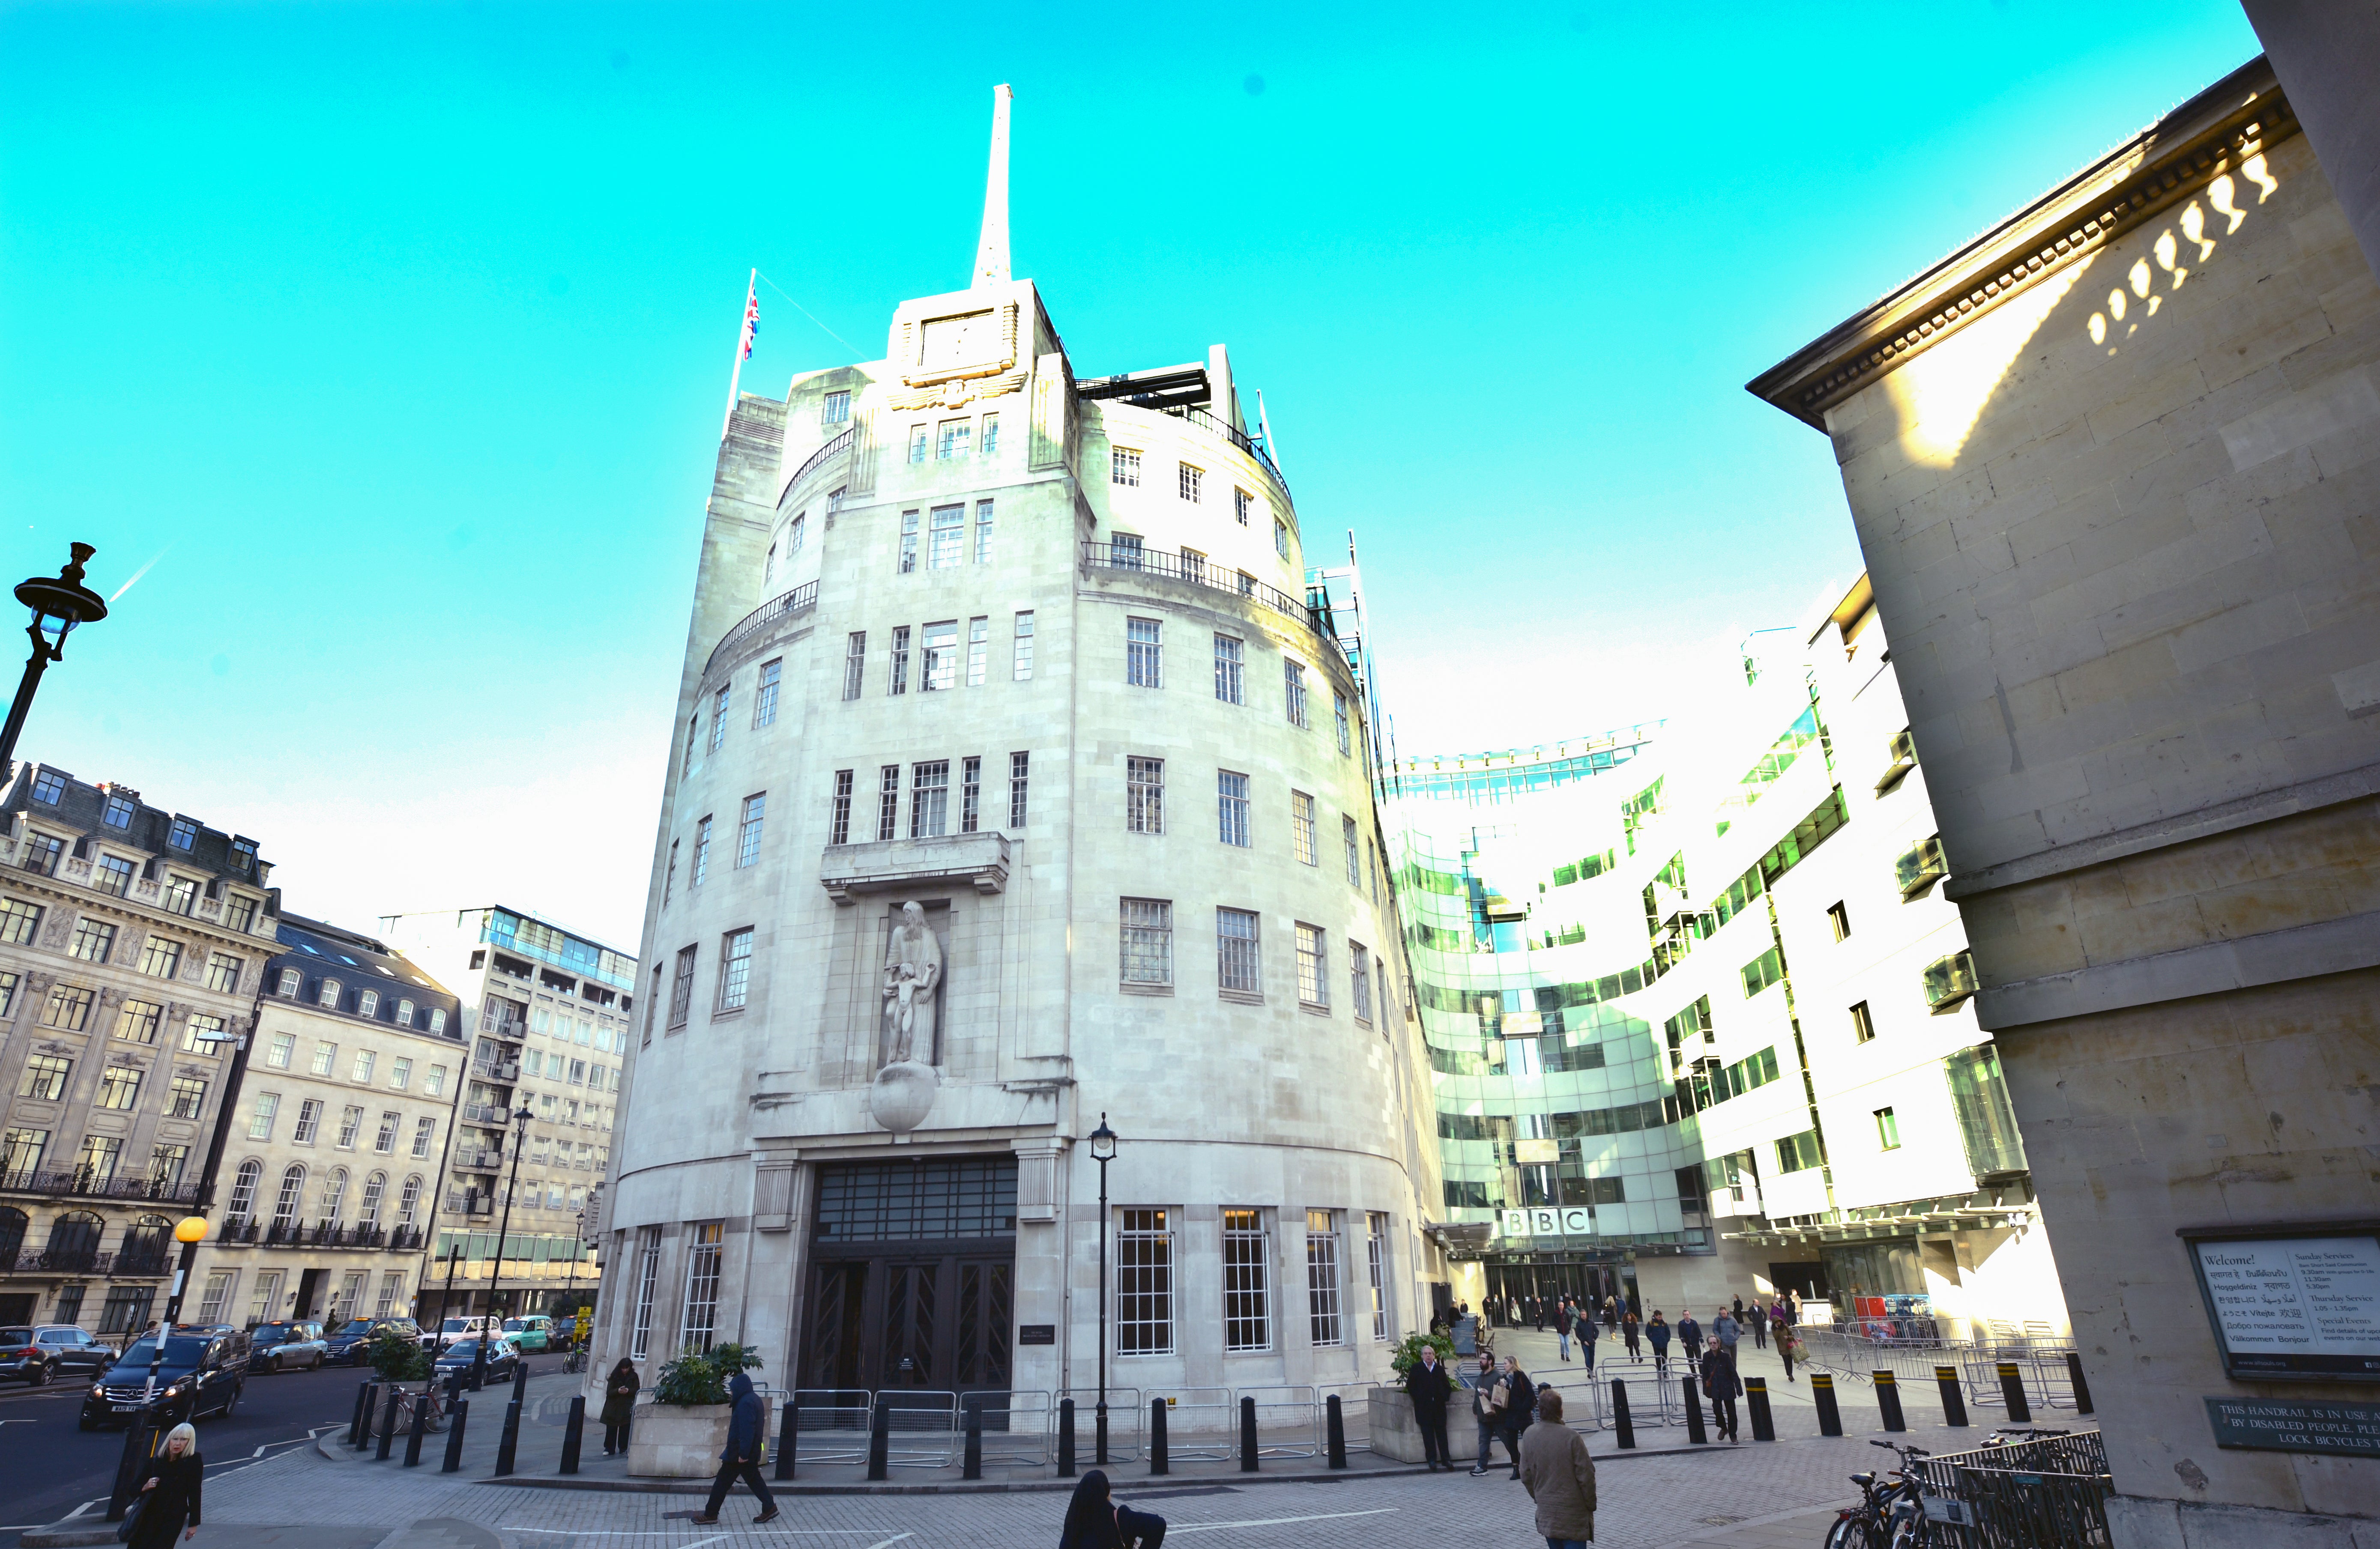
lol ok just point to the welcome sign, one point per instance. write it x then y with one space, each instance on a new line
2293 1302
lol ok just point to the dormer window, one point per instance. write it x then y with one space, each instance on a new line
405 1013
330 994
292 982
368 1003
184 834
48 786
117 813
243 856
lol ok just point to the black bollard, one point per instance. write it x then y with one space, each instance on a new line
2082 1388
971 1464
1695 1432
789 1429
139 1437
1619 1413
1821 1391
880 1439
453 1462
1247 1435
1887 1401
1065 1438
1755 1399
1335 1427
573 1433
1954 1403
420 1428
508 1440
371 1408
2012 1389
520 1382
1099 1433
1161 1460
388 1423
363 1407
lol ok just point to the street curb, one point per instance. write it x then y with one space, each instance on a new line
72 1531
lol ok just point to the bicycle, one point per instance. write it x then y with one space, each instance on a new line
577 1360
435 1419
1888 1516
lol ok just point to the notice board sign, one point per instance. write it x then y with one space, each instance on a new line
2296 1425
1036 1334
2292 1303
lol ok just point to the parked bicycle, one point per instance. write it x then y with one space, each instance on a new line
435 1419
1888 1515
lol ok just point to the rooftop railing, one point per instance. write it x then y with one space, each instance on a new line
1214 424
1200 571
839 444
768 612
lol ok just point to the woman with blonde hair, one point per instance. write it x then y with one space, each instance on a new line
1560 1477
169 1491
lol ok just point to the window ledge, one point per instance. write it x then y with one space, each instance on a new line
727 1014
1242 996
1130 988
1309 1006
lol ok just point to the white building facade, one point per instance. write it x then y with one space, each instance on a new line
1016 785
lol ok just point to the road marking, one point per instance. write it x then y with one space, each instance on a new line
96 1500
1269 1521
886 1544
786 1532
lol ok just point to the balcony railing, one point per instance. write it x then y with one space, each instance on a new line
818 459
81 1260
83 1184
1239 438
480 1161
1202 572
768 612
485 1113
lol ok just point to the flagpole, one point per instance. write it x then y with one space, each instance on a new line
743 348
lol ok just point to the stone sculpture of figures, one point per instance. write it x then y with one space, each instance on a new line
913 967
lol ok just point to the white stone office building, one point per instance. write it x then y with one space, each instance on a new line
1032 655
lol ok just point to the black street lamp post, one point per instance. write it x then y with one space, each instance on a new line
59 602
1103 1150
503 1224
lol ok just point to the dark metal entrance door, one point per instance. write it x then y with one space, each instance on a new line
902 1321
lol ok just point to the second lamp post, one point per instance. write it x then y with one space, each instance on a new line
1103 1150
503 1224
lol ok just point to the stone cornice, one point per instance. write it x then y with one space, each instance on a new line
2165 166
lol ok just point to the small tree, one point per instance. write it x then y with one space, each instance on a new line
699 1377
1408 1352
398 1356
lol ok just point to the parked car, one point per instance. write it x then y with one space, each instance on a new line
454 1330
531 1334
347 1344
502 1357
75 1352
202 1372
276 1347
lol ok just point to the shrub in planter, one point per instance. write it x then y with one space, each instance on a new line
679 1435
398 1356
700 1376
1408 1354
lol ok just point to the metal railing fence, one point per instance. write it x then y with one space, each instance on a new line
1288 1420
829 1423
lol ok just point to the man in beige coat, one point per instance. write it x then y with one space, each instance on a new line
1560 1477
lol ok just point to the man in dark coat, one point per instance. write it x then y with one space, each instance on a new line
748 1433
1520 1409
1690 1341
1721 1382
1429 1386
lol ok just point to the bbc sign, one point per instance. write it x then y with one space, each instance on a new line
1543 1221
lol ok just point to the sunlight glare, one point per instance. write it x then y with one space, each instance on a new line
1941 410
2141 277
2193 225
2261 175
2222 194
2116 303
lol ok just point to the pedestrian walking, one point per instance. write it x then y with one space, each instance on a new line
747 1437
1789 1346
1793 1308
619 1404
1095 1521
1560 1477
1659 1332
1629 1329
1726 1332
1520 1409
1721 1382
1759 1319
1487 1409
169 1497
1513 1310
1430 1387
1612 1317
1561 1328
1538 1312
1583 1327
1690 1341
1738 1310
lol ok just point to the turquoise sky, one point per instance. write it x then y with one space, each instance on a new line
397 336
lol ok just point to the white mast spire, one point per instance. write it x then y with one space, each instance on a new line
992 249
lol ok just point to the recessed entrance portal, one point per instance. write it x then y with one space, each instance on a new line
912 1275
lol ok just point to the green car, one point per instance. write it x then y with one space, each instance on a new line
530 1334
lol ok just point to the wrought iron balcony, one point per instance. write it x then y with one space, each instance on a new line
800 597
480 1161
1214 426
1203 572
485 1113
81 1184
86 1261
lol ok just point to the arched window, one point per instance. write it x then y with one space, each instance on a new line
369 1211
330 994
243 1188
368 1003
74 1239
292 982
13 1223
293 1190
144 1242
437 1019
334 1194
409 1199
405 1013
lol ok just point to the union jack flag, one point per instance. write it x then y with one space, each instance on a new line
752 317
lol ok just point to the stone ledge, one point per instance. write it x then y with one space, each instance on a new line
846 871
2340 946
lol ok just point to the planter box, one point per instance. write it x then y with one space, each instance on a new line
1396 1434
673 1441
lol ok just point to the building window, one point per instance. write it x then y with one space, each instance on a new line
1280 538
919 439
1123 468
223 973
693 739
1144 795
888 801
116 813
952 440
764 701
1125 553
323 1056
1247 1318
351 1123
947 548
127 1309
44 1080
908 543
695 1330
1230 658
217 1296
92 940
20 1151
1293 677
1339 713
669 875
1375 1252
368 1003
259 1117
971 796
328 994
938 668
838 828
68 1008
701 851
48 786
836 409
1193 479
1359 979
1862 1024
1148 941
425 1133
42 852
1888 1129
719 720
18 921
983 509
1302 837
901 659
119 1088
135 1022
167 1165
96 1164
794 534
384 1139
310 1121
930 799
1142 653
290 981
1799 1153
735 969
1840 919
1231 807
1236 965
748 831
1018 765
183 834
1241 501
435 1081
181 894
979 650
8 982
1312 968
681 988
1024 646
855 662
1355 852
1143 1284
162 959
1322 1277
114 876
438 1019
648 1271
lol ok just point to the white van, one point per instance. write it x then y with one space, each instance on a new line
454 1331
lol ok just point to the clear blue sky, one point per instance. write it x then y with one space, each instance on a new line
401 332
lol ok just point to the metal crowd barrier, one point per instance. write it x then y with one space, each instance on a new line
922 1427
2050 1494
1354 1409
1127 1413
1292 1413
831 1424
1202 1424
1019 1427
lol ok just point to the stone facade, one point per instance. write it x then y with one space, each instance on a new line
2115 467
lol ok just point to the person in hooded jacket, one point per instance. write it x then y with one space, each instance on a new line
747 1433
1094 1521
619 1406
